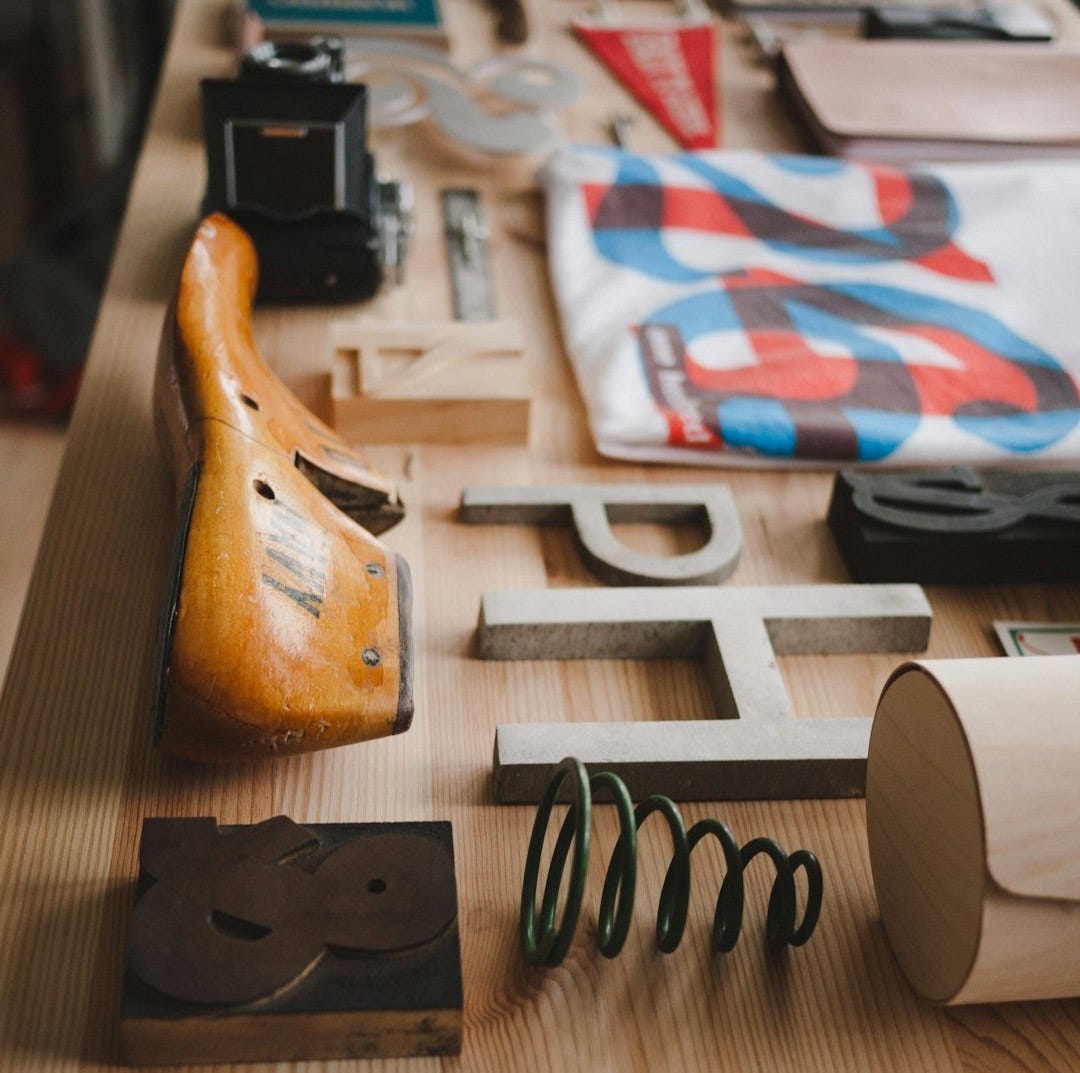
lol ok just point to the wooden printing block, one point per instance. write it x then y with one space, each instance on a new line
452 382
953 525
280 942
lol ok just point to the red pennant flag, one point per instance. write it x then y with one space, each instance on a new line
669 68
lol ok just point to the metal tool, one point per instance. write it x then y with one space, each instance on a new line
467 235
620 125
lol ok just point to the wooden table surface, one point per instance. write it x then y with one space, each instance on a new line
79 771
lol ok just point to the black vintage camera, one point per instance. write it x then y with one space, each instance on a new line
287 159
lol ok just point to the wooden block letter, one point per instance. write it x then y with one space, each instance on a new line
277 942
430 382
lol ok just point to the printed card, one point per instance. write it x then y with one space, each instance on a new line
1039 638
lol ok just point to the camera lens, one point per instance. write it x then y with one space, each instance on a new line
317 60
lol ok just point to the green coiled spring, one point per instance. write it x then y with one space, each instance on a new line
542 942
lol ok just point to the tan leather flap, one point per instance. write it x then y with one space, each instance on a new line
972 91
1021 716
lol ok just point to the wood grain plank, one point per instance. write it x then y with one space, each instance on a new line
29 462
79 772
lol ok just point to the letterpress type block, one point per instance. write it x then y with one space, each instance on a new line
950 526
276 942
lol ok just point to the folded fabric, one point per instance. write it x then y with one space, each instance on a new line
729 308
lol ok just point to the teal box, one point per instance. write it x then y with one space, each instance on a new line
351 14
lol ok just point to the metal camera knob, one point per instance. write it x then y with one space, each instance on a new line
319 59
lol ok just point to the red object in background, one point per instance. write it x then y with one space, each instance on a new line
27 389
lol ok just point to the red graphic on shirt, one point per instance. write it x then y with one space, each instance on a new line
916 213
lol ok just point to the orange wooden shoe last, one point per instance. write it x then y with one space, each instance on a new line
287 625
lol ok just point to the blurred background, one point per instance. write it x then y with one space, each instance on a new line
76 81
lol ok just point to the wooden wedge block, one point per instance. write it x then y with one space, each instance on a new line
452 382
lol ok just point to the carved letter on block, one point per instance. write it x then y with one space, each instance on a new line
277 942
954 525
756 747
450 382
590 510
